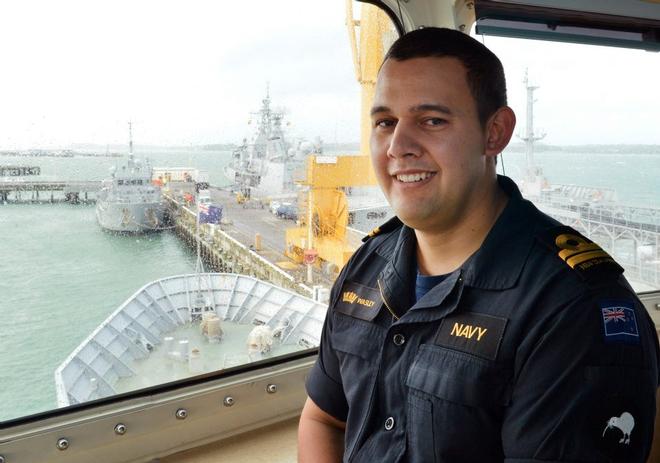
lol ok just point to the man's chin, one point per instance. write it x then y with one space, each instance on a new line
411 219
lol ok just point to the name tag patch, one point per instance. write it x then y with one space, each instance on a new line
359 301
619 322
475 333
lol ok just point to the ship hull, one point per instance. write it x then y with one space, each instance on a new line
130 217
278 179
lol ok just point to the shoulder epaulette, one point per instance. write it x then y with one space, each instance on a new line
580 253
388 226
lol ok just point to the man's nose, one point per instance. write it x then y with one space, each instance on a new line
403 142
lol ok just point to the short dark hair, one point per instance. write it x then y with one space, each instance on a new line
485 74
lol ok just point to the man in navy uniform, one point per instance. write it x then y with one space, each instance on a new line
472 327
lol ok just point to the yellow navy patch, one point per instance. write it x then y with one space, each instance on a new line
581 254
479 334
468 331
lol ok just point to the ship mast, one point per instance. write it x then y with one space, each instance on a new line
530 136
131 161
265 114
533 180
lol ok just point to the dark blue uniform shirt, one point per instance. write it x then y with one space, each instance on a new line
535 349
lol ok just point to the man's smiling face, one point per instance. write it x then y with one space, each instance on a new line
427 144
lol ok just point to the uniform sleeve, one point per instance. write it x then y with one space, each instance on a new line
585 384
324 384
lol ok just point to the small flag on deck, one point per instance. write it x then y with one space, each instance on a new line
210 214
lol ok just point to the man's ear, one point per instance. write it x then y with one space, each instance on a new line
499 130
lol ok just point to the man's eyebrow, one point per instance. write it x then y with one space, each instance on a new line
379 109
416 109
431 107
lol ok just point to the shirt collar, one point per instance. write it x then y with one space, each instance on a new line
496 265
400 271
499 261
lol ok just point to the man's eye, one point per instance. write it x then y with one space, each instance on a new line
384 123
434 121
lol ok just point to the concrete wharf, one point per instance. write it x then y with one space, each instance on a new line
44 191
234 246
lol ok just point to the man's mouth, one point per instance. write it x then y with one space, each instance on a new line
416 177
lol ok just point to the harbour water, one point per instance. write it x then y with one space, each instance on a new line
60 275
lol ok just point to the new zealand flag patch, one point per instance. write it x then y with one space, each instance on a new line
619 322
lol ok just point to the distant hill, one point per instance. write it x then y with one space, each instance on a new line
590 148
219 147
346 148
140 147
350 148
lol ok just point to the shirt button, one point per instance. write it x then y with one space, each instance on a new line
399 339
389 424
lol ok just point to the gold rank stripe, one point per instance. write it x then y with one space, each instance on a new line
583 247
374 232
583 257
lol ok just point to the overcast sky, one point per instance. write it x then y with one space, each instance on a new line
192 72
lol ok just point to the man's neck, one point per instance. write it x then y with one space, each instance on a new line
442 251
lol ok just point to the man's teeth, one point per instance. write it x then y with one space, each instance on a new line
414 177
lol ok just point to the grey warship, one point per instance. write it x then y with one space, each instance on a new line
128 202
268 164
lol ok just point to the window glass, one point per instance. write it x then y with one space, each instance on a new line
216 109
587 145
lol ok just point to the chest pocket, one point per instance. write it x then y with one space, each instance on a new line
454 401
357 346
356 337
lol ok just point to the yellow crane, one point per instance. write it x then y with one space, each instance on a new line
376 34
321 237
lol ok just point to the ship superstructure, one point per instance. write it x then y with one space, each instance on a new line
535 186
128 201
268 164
